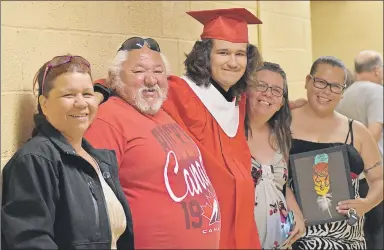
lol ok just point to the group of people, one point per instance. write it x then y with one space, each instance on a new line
145 159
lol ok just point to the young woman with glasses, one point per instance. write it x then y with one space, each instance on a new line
317 126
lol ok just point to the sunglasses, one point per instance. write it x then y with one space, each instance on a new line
60 60
138 43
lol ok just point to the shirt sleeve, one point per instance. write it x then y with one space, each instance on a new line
185 108
104 135
30 189
375 107
100 86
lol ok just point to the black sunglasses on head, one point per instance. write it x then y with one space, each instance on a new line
138 43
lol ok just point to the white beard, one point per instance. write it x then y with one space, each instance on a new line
143 106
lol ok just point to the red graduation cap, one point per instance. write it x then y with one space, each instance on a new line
225 24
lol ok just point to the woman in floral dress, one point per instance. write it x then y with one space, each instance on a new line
269 138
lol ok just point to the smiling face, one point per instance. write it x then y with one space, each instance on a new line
228 62
264 103
324 100
144 80
71 105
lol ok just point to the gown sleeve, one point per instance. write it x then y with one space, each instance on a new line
185 108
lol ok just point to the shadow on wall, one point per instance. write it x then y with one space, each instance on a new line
24 120
17 122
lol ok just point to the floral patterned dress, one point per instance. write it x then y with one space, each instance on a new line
270 201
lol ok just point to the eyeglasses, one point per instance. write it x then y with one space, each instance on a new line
276 91
138 43
60 60
322 84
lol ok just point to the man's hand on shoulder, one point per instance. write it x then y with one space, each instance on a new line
102 92
99 97
298 103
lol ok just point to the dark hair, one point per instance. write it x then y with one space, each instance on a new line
368 65
76 64
330 60
198 66
350 78
280 122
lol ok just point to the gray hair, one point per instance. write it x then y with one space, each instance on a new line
116 66
367 61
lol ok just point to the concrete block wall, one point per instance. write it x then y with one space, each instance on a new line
34 31
344 28
285 38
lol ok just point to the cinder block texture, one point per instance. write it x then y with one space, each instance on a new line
344 28
16 120
33 32
285 38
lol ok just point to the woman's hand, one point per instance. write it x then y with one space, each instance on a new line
298 231
297 103
360 205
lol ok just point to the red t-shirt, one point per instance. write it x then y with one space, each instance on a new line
163 177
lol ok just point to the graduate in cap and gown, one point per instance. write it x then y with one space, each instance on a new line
209 103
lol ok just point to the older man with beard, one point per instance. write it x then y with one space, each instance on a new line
160 167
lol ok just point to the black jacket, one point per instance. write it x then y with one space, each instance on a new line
52 197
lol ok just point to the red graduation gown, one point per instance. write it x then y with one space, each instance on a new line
227 161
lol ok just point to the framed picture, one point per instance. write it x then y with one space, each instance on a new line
321 179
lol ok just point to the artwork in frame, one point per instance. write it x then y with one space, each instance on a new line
321 179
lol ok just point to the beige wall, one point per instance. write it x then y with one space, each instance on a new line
285 38
292 34
34 31
343 28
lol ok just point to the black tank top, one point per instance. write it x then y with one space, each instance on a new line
356 163
374 218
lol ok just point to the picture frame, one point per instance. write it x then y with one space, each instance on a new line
311 172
